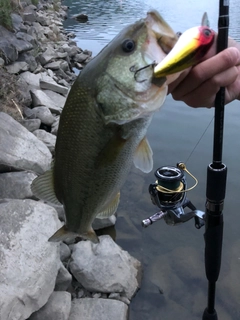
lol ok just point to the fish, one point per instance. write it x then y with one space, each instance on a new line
197 41
103 127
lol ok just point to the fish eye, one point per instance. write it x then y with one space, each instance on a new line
128 45
207 32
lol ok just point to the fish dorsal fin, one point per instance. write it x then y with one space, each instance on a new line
42 187
205 21
111 208
143 156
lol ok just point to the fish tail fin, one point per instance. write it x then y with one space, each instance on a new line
64 234
91 235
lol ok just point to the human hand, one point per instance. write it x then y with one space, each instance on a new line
198 86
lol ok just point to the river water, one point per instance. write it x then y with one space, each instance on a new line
174 284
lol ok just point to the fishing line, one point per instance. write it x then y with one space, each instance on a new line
199 140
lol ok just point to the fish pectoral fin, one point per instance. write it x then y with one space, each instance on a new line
143 156
42 187
62 234
111 208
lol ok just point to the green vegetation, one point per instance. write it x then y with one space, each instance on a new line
7 7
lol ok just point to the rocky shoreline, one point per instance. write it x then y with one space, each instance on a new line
38 279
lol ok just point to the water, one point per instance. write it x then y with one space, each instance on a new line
174 284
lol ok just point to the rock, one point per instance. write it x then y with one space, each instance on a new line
42 113
65 252
16 185
31 124
20 149
98 309
17 22
71 50
53 86
117 296
80 17
47 138
63 280
31 78
81 57
26 37
23 92
2 62
29 59
29 263
58 99
105 267
59 64
57 308
104 223
17 67
41 99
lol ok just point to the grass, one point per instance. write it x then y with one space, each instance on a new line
7 7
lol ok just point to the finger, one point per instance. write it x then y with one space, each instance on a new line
204 95
206 70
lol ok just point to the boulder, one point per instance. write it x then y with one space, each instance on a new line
41 99
42 113
63 280
47 138
57 308
29 263
20 149
105 267
16 185
31 124
50 84
98 309
17 67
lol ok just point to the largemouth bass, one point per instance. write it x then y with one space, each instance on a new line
103 126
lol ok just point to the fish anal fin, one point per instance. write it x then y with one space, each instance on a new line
111 207
42 187
143 156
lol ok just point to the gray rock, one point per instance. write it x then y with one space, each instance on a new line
20 149
53 86
48 55
23 92
57 308
31 78
44 114
98 309
31 124
55 65
63 280
16 185
17 67
65 252
26 37
104 223
2 62
29 15
29 263
29 59
117 296
81 57
47 138
58 99
17 22
40 98
105 267
20 45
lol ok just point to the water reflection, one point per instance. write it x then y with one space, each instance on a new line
174 284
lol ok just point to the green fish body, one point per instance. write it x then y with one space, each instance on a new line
103 127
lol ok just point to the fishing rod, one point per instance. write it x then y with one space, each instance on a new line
169 190
216 181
